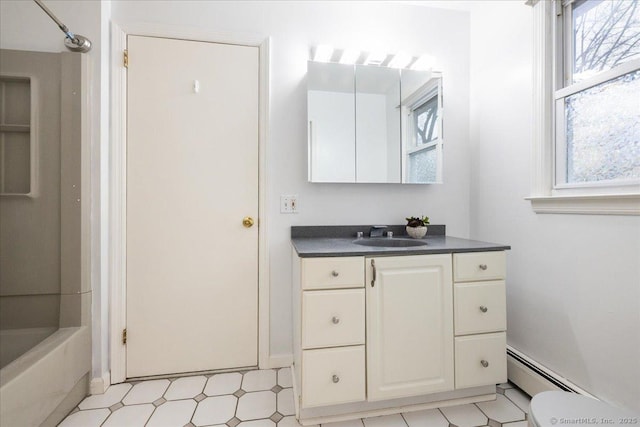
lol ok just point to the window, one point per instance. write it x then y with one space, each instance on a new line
588 68
422 156
424 149
598 94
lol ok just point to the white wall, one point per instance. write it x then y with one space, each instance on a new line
294 28
573 289
24 26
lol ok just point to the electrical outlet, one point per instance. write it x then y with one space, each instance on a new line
289 203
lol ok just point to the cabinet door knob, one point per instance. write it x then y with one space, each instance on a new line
336 379
484 363
334 273
483 267
335 320
483 309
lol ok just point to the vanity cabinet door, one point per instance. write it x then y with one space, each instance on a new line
409 326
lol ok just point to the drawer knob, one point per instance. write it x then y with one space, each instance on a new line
484 363
483 309
483 267
336 379
334 273
335 320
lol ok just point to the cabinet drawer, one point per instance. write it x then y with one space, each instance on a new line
481 360
480 307
474 266
333 272
332 376
332 318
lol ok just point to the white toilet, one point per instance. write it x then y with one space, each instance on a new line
559 408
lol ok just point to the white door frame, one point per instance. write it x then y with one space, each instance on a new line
118 181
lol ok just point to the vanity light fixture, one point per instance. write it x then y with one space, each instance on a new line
424 63
400 60
323 53
326 53
375 58
349 56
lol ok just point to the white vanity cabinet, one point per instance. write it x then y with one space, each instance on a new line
330 330
376 333
409 326
480 318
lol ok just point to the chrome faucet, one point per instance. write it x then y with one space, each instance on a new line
377 230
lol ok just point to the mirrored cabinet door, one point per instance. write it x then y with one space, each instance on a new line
331 122
372 124
378 151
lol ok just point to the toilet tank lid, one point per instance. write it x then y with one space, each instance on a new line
558 408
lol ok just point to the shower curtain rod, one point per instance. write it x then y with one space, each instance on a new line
73 42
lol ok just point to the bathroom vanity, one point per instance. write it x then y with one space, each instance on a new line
391 328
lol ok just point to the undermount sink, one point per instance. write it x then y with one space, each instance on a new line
390 242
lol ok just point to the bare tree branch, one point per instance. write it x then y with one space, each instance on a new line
605 36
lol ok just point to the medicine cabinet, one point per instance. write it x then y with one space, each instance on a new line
373 124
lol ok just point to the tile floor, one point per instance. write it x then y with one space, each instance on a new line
262 398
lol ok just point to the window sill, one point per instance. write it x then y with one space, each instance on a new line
605 204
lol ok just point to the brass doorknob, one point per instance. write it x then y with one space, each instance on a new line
247 221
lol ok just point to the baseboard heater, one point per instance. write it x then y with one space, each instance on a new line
534 378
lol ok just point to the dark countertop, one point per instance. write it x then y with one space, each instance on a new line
313 247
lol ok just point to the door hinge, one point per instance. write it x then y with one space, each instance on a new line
124 336
126 58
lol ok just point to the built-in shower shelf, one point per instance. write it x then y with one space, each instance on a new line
15 128
17 174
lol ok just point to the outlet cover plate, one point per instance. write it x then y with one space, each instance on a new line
289 203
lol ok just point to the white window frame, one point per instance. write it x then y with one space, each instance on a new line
418 99
546 195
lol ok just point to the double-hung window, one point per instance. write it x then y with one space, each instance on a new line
589 66
423 152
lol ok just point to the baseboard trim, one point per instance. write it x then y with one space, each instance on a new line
101 384
533 378
324 419
280 360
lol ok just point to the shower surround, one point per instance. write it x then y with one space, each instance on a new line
45 294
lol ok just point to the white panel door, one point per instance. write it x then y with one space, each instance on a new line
409 326
192 176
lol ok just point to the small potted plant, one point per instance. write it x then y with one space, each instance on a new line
417 227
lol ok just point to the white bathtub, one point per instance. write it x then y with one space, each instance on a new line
15 342
38 383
